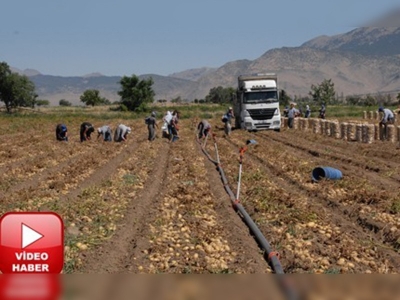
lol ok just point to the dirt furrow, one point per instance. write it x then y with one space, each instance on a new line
327 150
43 173
344 217
115 255
238 233
282 203
186 228
370 208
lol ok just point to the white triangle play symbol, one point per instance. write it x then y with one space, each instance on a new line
29 236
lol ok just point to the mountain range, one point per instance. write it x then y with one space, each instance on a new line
363 61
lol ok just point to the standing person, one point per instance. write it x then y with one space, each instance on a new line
387 118
227 119
322 111
308 112
121 133
86 130
203 128
285 112
106 132
173 126
61 133
292 113
151 125
165 128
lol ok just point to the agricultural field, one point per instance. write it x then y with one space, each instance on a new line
159 207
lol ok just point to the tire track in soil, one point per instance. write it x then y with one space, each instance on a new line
336 212
114 256
238 234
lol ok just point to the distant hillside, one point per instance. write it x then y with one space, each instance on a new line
366 40
193 74
54 88
27 72
299 68
352 73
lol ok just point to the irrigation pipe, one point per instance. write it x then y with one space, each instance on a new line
205 141
272 257
216 148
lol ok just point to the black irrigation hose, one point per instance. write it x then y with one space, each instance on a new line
270 256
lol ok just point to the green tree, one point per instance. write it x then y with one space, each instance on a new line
284 98
64 102
42 102
353 100
177 100
15 90
220 95
369 101
135 93
324 92
93 98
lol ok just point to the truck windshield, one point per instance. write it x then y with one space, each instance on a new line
260 97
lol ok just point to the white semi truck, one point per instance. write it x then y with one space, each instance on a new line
256 106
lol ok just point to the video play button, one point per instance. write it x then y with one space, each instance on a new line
29 236
31 242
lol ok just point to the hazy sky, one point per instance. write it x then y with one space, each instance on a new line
125 37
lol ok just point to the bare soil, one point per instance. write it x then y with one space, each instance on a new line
159 207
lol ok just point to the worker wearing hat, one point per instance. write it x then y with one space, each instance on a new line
228 123
62 133
106 132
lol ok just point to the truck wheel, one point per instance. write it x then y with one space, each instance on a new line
277 130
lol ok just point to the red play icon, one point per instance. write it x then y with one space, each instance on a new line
31 243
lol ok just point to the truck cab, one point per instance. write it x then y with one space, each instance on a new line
256 105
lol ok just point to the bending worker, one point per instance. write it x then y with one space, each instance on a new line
106 132
387 118
121 133
203 128
61 133
86 130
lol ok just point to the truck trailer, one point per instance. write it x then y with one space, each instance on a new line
256 106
